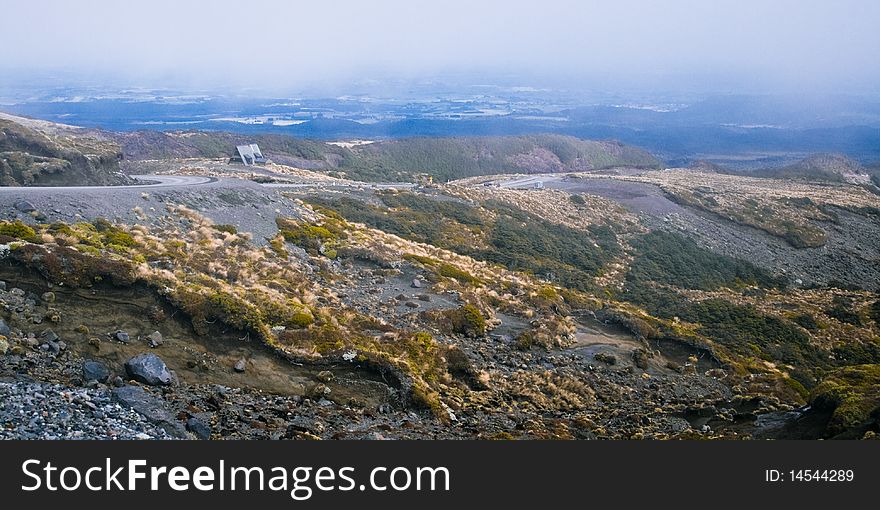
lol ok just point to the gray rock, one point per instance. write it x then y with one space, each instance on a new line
416 283
25 206
53 347
149 369
199 428
48 336
151 407
95 371
2 285
117 381
122 336
155 339
4 328
240 365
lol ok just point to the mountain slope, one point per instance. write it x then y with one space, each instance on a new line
35 153
453 158
401 159
821 167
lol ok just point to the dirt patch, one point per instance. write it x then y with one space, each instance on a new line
90 317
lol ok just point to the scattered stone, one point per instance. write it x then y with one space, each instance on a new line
411 304
2 285
117 381
53 347
325 376
240 365
149 369
25 206
48 297
199 428
121 336
416 283
4 328
95 371
424 297
48 336
155 339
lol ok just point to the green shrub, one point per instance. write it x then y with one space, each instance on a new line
229 229
672 259
466 320
841 309
513 238
806 321
18 230
307 236
577 200
853 393
114 236
449 271
874 312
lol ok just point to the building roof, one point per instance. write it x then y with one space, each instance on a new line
250 154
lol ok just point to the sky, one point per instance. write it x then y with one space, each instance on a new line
802 46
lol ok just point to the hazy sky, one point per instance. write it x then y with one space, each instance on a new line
782 45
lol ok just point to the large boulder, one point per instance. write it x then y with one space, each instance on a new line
25 206
151 407
149 369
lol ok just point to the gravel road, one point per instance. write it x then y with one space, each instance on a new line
247 205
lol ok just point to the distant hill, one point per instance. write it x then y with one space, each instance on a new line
707 167
453 158
821 167
39 153
442 158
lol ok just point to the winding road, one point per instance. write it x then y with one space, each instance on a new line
184 181
149 181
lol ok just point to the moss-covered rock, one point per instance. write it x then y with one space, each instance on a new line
854 395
